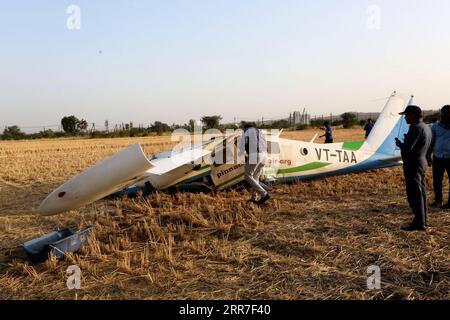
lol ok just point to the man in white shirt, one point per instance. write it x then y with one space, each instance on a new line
256 151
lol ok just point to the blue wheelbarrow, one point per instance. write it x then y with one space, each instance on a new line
57 243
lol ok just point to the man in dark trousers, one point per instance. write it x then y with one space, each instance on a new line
440 147
368 127
414 154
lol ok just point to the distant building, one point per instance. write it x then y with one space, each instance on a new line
299 118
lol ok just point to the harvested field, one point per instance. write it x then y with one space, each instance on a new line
314 240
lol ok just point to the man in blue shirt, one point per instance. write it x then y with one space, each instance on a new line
440 147
328 132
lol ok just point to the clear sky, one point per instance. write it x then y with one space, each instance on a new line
174 60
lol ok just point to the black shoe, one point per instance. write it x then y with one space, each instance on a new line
251 201
263 199
446 207
436 204
415 227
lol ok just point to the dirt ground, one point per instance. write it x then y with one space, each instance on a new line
314 240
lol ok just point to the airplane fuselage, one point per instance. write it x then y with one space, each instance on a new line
290 160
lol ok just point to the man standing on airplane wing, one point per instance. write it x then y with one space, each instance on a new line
256 150
414 154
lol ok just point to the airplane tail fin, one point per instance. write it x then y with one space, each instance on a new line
390 125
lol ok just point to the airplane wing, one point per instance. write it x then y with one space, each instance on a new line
174 167
177 160
115 173
166 162
128 167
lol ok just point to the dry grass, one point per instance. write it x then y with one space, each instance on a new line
313 241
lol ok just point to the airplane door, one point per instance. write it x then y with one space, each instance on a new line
223 174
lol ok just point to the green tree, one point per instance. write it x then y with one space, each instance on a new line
211 122
13 133
69 124
192 125
82 125
349 119
280 124
432 118
72 125
48 133
159 127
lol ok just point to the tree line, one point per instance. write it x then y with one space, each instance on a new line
74 127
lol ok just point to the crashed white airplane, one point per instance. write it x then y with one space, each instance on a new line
288 160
